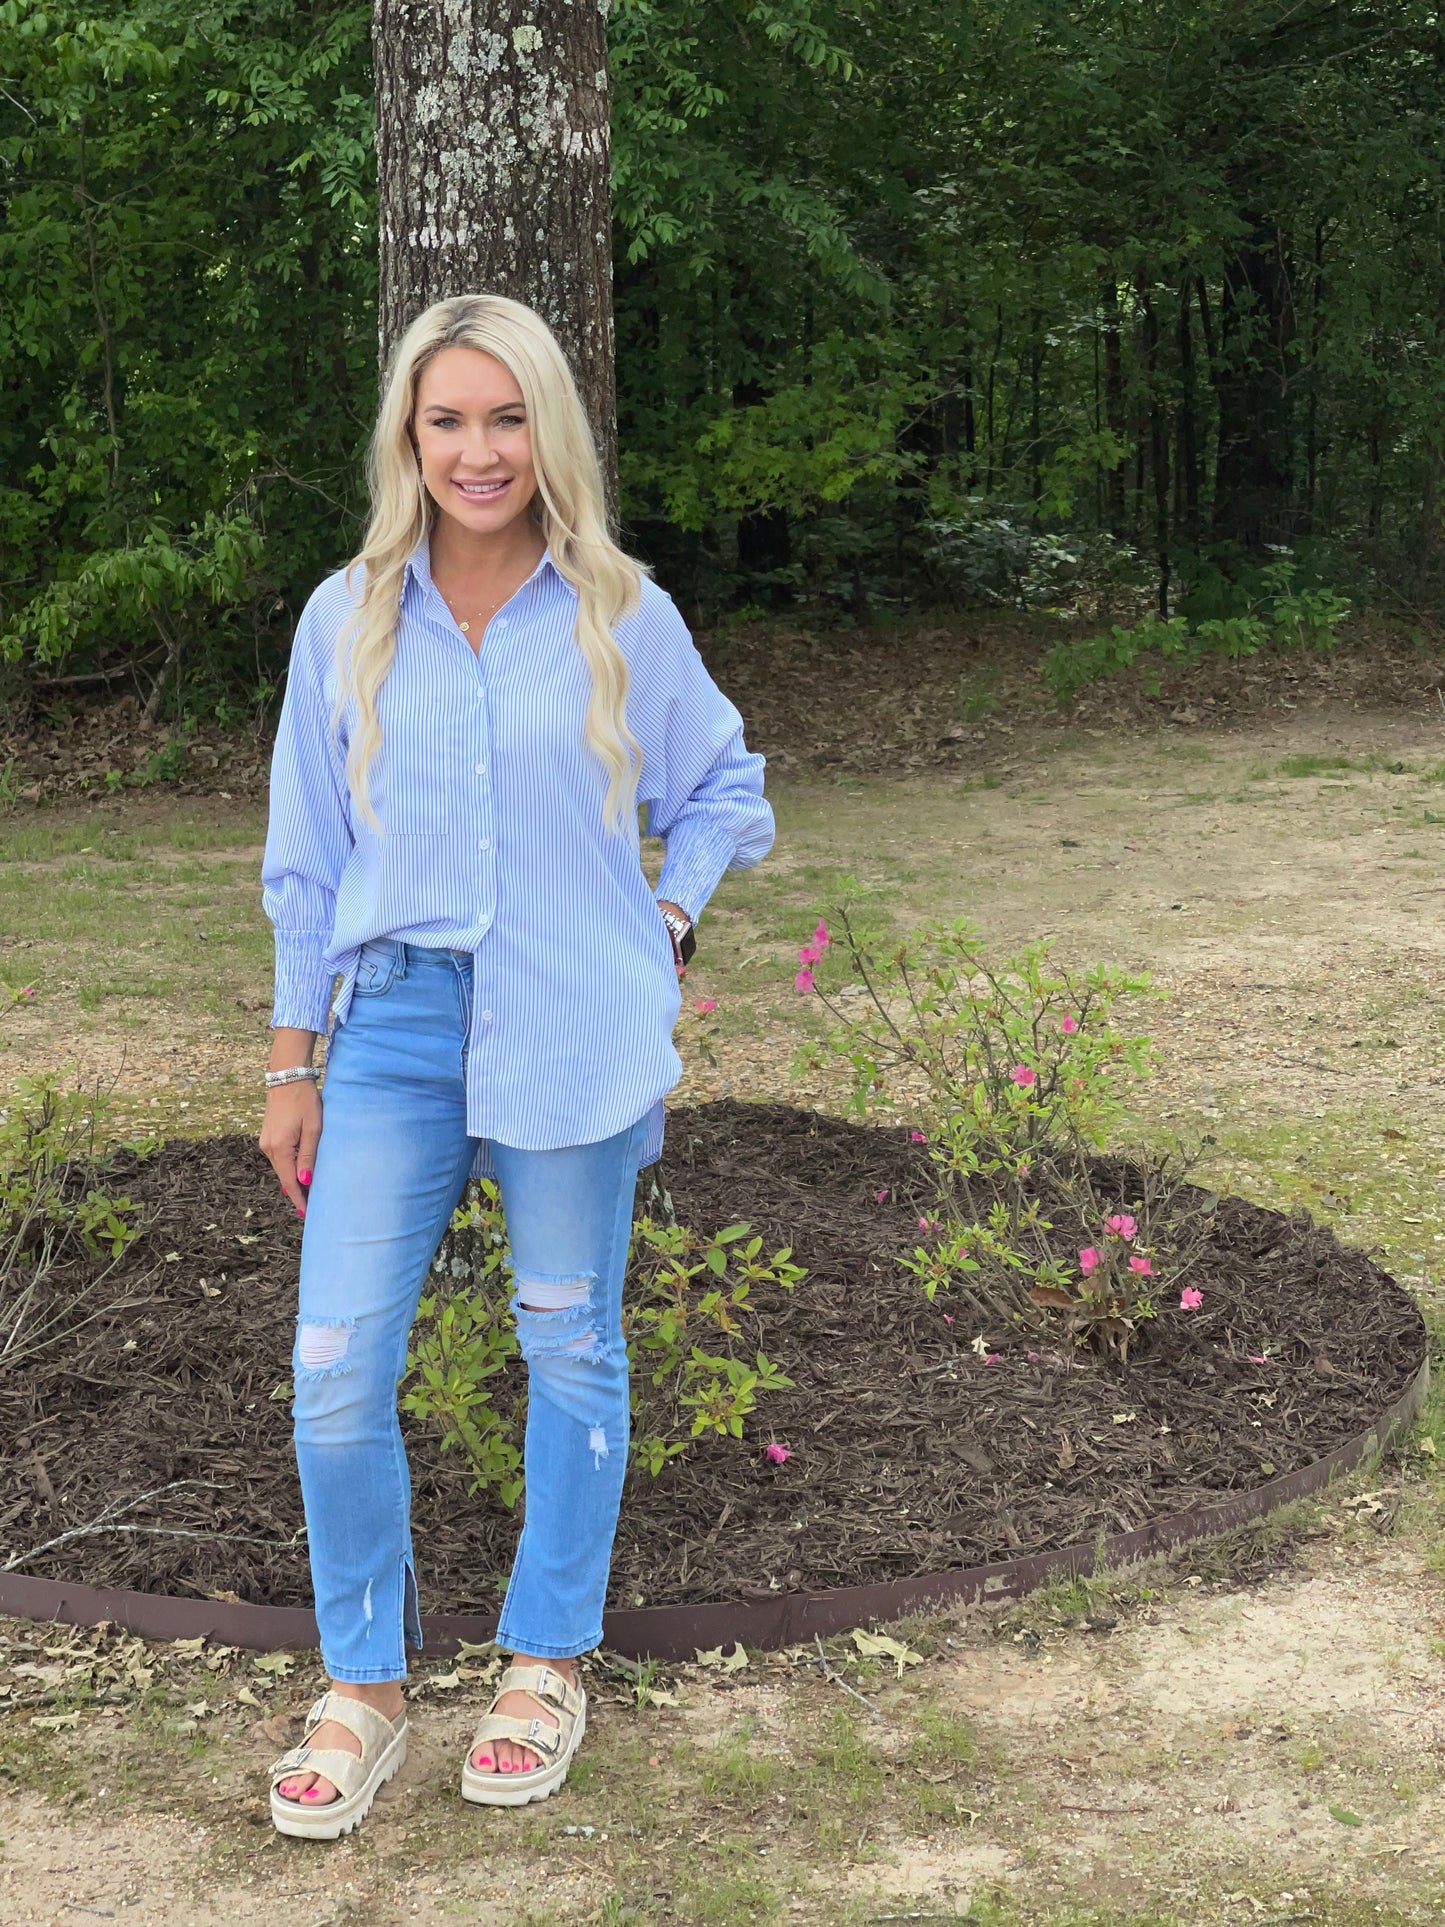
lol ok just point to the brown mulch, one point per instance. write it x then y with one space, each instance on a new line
910 1454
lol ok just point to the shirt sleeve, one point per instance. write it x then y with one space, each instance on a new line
308 838
708 803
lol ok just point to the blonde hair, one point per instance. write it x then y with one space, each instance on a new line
569 508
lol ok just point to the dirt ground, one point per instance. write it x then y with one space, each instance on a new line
1209 1749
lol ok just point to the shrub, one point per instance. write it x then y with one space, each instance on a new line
682 1287
1018 1073
1274 613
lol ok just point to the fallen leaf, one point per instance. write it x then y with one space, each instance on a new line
659 1696
878 1645
52 1722
1427 1446
277 1664
1345 1817
443 1682
732 1662
247 1697
188 1648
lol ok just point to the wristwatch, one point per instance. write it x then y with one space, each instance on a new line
679 928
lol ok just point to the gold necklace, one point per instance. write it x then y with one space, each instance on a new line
482 615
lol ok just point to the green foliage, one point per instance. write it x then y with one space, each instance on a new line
59 1220
954 299
1279 616
679 1285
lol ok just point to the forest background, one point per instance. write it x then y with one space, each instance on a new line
989 300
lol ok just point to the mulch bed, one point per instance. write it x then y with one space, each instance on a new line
910 1454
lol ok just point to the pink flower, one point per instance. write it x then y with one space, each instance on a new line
776 1453
991 1358
1142 1266
919 1137
820 935
1088 1260
1260 1358
948 1318
705 1004
803 981
1068 1026
1033 1358
928 1224
809 955
1024 1168
1190 1299
880 1197
1023 1076
1122 1225
25 996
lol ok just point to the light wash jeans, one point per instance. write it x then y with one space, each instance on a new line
392 1164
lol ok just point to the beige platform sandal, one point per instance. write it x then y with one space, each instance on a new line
357 1781
555 1744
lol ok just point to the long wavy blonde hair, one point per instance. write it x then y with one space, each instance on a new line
569 509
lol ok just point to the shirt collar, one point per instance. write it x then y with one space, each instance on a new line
418 567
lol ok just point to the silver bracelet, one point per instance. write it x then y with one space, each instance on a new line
293 1074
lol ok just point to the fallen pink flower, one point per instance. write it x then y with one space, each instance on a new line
705 1004
776 1453
1033 1358
1142 1266
820 935
809 955
1023 1076
1191 1298
880 1197
991 1358
803 981
1122 1225
1260 1358
948 1318
1068 1027
1088 1260
919 1137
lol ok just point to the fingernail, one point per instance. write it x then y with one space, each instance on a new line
304 1176
299 1212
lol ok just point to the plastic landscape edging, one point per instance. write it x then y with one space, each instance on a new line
679 1632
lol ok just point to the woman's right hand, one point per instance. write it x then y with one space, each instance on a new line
290 1133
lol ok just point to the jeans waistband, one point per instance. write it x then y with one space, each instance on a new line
407 954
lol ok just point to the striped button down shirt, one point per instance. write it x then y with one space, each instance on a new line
493 843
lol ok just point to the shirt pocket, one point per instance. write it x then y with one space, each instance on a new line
416 785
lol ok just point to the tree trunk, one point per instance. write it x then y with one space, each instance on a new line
1113 396
493 157
1254 475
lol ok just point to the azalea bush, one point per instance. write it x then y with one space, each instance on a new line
1019 1075
690 1325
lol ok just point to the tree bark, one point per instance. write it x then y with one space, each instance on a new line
1254 503
493 158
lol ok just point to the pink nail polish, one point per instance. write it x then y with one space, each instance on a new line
311 1793
299 1212
485 1760
304 1177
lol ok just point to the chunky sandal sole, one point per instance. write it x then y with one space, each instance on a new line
520 1789
340 1816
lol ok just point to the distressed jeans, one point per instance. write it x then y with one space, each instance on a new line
390 1169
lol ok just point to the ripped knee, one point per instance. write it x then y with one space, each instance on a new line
555 1316
322 1345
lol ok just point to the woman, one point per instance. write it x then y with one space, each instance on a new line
474 711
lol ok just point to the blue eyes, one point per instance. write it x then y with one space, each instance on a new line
503 421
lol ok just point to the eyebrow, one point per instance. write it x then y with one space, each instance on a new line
450 408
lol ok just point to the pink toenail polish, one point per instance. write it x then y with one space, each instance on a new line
304 1177
485 1760
311 1793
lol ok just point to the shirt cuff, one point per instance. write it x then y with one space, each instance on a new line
303 981
696 857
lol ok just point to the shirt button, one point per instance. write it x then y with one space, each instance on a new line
486 1017
481 769
485 843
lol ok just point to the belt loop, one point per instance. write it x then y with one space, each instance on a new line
402 950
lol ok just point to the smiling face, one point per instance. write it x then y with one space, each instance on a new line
472 435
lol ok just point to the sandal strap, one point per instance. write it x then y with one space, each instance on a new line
374 1730
345 1772
537 1735
545 1683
